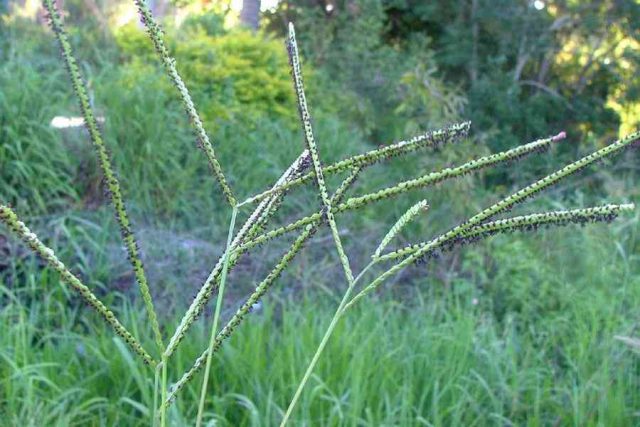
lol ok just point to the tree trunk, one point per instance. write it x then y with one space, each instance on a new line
250 15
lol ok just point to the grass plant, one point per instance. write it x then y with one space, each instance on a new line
154 382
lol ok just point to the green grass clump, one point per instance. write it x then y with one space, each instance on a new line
537 349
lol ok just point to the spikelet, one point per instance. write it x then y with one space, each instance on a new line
501 206
11 220
305 118
271 204
155 34
531 222
399 225
421 182
429 139
450 173
112 186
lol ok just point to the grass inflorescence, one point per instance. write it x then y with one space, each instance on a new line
307 168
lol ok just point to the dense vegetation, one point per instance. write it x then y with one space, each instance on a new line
515 330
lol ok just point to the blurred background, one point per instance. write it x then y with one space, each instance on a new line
516 330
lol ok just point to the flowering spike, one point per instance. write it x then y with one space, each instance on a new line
604 213
305 118
501 206
428 139
155 34
11 220
104 160
260 290
399 225
206 290
402 187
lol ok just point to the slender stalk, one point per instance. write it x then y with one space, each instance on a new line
163 411
104 161
157 38
323 343
156 390
216 317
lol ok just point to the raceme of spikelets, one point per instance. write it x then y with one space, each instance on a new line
109 175
531 222
399 225
271 204
11 220
305 118
155 34
260 290
412 184
431 139
254 220
502 206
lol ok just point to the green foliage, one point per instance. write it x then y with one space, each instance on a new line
535 349
517 71
369 79
237 76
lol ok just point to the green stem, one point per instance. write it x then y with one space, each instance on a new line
156 386
216 317
163 411
325 339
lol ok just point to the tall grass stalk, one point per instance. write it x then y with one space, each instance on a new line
155 34
216 317
104 160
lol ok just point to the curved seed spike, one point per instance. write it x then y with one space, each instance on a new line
206 290
428 139
155 34
449 173
499 207
113 186
399 225
421 182
13 223
604 213
259 291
